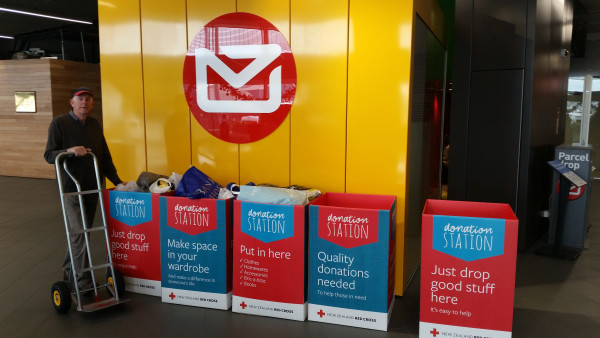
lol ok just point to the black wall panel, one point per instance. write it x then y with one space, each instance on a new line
499 34
508 104
494 136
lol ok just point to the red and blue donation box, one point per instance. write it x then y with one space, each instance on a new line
269 260
134 233
468 264
351 260
196 237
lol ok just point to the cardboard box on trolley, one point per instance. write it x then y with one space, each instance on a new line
133 225
468 266
351 259
269 260
196 244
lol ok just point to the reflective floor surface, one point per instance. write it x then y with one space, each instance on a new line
553 297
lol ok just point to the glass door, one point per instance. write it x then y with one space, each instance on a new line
583 123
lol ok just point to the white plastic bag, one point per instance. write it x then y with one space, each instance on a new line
175 178
225 193
160 186
272 195
129 186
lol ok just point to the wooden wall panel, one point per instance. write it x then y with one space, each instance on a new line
23 135
68 75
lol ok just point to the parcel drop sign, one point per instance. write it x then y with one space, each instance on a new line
239 77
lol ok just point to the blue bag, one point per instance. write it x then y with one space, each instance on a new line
195 184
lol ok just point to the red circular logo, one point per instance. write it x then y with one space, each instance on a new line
239 77
574 191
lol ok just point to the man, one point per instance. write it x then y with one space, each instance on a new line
78 133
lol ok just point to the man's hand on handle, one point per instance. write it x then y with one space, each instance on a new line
79 150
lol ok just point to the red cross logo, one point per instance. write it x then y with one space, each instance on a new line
434 332
321 313
243 305
172 296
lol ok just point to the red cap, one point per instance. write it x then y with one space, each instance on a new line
82 90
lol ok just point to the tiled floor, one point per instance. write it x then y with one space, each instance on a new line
553 298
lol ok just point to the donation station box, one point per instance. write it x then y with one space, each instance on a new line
351 259
196 243
133 225
579 160
269 260
468 263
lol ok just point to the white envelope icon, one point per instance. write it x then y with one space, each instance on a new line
575 192
263 55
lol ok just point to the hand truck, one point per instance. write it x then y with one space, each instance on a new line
62 293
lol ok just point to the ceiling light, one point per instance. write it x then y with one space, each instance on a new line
6 37
2 9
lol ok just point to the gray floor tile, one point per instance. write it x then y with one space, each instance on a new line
553 297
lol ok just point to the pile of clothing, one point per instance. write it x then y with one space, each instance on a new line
195 184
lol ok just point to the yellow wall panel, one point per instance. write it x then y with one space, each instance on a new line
348 127
318 116
276 12
268 160
378 90
164 44
202 12
122 86
217 158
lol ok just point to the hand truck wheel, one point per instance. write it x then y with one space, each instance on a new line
61 297
116 279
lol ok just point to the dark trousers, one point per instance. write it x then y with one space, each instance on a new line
78 247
